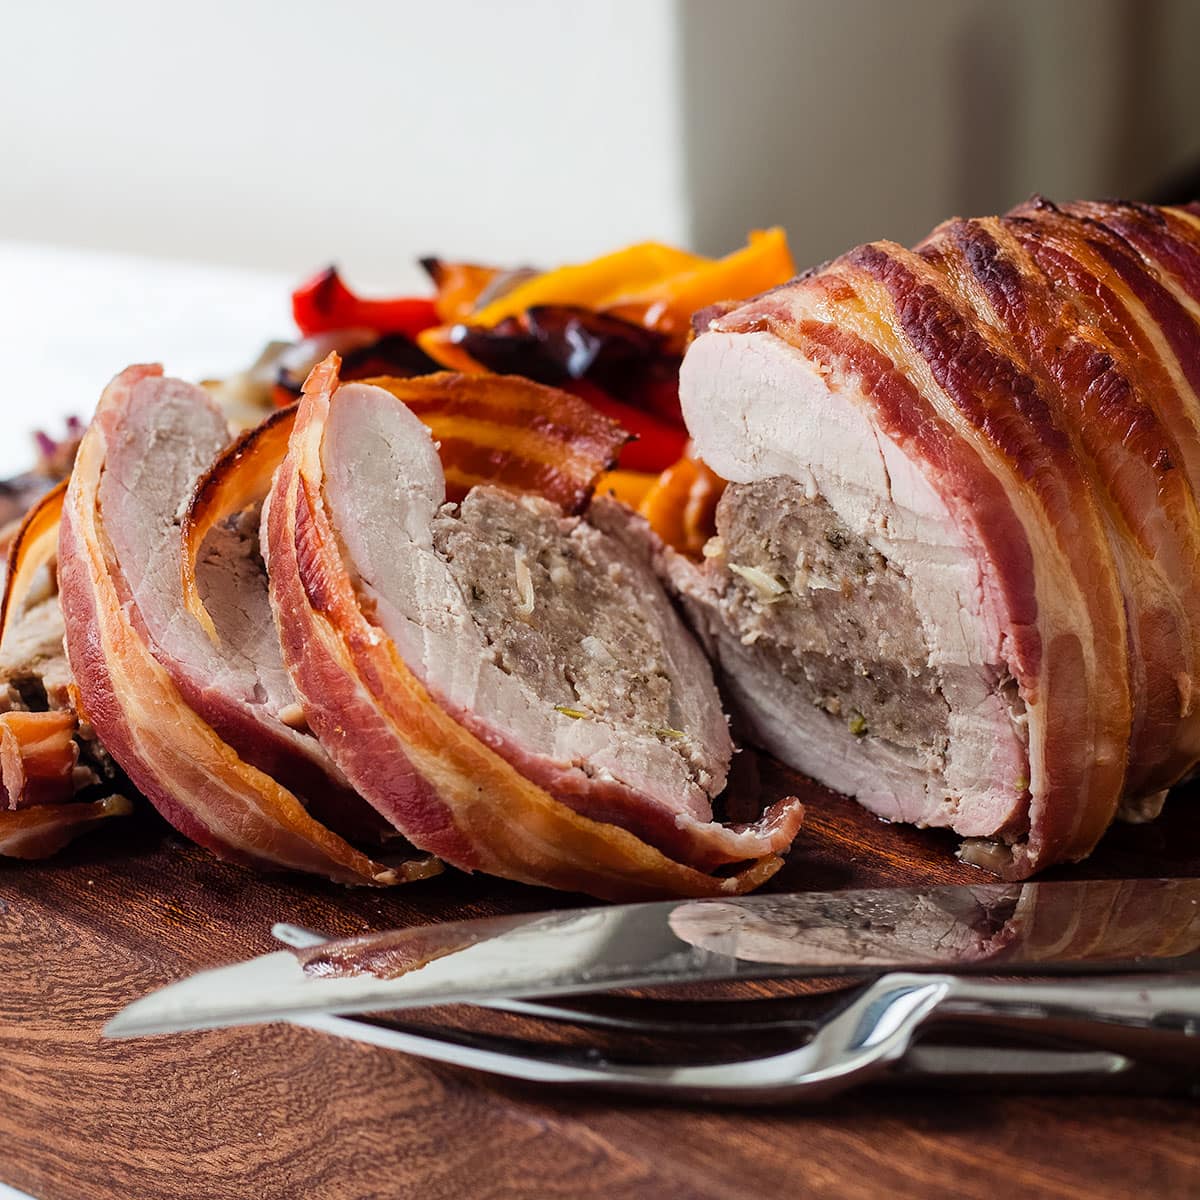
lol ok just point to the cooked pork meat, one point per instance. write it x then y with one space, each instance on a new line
957 571
836 616
573 614
34 674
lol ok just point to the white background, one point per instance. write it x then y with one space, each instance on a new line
277 135
274 138
71 319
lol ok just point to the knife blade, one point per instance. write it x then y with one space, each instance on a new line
1043 928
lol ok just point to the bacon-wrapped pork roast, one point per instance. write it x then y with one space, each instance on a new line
957 569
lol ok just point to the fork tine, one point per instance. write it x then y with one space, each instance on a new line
532 1062
682 1018
860 1043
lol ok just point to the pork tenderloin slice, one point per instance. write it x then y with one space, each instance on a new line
176 758
549 637
843 603
162 435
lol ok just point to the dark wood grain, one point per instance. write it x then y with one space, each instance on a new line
279 1112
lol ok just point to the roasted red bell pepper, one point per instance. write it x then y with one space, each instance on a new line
658 444
325 303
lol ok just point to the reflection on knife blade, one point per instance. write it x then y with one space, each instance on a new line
1053 927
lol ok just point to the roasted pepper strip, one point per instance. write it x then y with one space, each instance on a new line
325 303
657 443
667 305
594 284
438 343
630 487
682 505
459 287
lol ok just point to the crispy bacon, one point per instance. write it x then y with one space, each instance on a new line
447 790
507 430
237 480
33 547
1107 395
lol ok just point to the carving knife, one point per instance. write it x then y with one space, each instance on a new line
1105 926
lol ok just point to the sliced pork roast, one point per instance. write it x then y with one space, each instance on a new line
206 727
957 569
501 675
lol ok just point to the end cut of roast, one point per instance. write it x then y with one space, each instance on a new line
203 728
957 569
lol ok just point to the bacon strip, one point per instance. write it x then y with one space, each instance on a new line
239 479
447 790
34 547
1120 411
504 429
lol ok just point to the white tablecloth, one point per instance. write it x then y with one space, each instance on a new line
71 319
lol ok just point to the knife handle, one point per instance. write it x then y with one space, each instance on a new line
1154 1018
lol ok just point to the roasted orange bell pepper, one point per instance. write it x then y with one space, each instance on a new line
459 286
667 305
630 487
681 505
437 344
594 284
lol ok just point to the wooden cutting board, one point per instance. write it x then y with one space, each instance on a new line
281 1113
